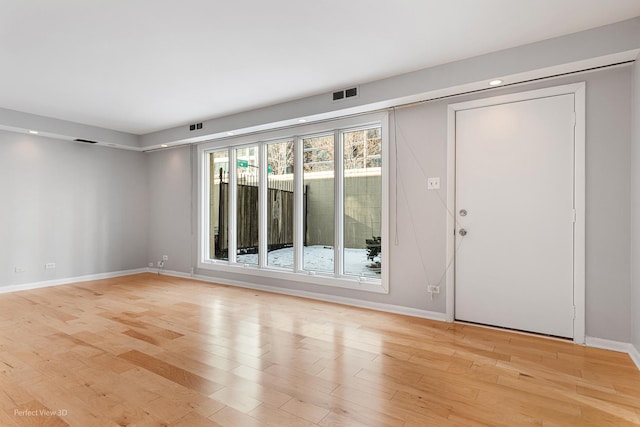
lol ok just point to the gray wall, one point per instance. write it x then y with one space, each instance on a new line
169 208
419 256
80 206
635 208
363 208
320 218
608 205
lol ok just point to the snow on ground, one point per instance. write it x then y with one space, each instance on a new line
319 258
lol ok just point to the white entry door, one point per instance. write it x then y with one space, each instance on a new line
515 215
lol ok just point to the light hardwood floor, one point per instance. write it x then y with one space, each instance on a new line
157 350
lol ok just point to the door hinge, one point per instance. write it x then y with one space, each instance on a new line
575 120
574 312
573 215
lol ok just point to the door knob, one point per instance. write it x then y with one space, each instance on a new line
462 232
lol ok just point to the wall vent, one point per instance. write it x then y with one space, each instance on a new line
88 141
345 93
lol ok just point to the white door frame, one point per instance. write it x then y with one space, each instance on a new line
578 90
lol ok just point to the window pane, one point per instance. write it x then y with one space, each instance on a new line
362 202
319 204
280 204
219 205
248 178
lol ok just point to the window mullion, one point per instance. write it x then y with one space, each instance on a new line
339 203
262 205
298 206
233 197
385 166
206 206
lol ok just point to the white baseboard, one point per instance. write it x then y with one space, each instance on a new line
69 280
635 355
171 273
618 346
622 347
389 308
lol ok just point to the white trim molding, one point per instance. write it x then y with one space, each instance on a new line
70 280
618 346
604 344
621 347
579 265
388 308
635 355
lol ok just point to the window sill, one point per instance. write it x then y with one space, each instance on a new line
346 282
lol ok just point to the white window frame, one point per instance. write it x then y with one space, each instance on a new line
263 228
299 144
298 274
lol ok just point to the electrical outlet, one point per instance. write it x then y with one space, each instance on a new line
165 257
50 265
160 264
150 264
433 183
434 289
20 269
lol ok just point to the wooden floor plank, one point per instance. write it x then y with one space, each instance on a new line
171 372
307 411
161 351
229 417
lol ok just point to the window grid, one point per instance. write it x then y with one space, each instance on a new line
371 160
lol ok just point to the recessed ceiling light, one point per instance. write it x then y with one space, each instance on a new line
496 82
230 133
164 145
33 132
302 121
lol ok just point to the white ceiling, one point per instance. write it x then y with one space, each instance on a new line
144 65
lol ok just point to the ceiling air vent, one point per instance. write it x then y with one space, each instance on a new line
88 141
350 93
344 94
